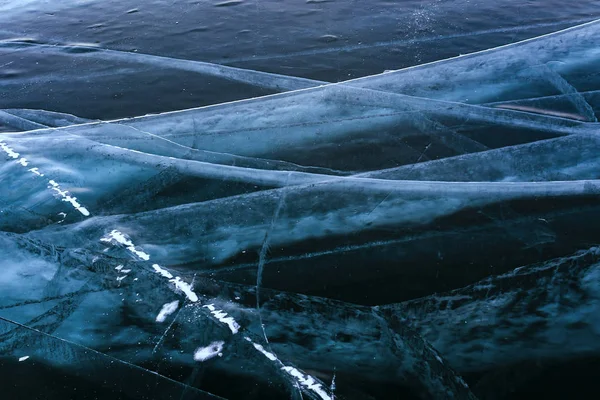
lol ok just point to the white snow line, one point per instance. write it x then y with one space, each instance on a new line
186 288
308 381
162 271
8 150
118 237
222 317
35 171
266 353
301 378
52 184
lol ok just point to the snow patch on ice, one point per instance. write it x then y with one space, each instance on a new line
166 310
211 351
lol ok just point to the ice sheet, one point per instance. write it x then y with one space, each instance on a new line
299 242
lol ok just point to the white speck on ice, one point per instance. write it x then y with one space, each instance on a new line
21 359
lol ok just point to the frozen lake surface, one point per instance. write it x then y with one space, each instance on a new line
301 199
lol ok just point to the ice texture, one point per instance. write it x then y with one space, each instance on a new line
320 241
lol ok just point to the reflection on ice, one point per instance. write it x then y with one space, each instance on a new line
298 242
